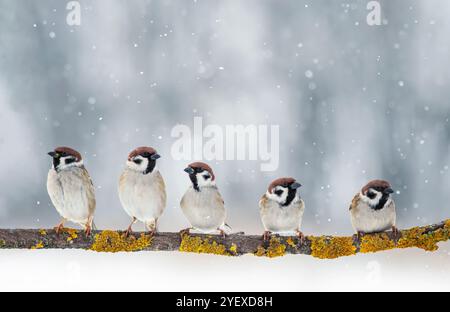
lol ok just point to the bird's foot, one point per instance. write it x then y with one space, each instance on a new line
222 233
185 232
128 232
358 236
266 235
396 233
151 233
301 237
88 230
59 228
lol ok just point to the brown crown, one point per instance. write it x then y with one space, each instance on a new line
204 167
141 151
69 151
281 182
382 184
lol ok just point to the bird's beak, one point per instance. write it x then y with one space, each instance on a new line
53 154
189 170
295 186
155 157
388 191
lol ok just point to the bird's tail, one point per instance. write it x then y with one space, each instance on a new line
229 230
228 226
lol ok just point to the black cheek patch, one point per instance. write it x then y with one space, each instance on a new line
70 161
279 192
371 195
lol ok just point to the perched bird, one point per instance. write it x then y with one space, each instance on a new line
281 208
202 203
70 188
142 190
373 210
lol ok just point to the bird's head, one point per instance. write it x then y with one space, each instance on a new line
201 175
283 191
65 158
143 159
376 192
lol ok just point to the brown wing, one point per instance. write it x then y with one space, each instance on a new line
161 187
90 191
263 201
219 198
355 202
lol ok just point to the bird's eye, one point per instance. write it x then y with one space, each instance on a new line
137 161
279 192
206 177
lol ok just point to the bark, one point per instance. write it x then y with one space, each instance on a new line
325 247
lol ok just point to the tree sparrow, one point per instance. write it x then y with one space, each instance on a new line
70 188
142 190
373 210
282 209
202 203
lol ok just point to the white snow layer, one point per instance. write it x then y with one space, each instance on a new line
77 270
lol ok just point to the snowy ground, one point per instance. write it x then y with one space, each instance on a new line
397 270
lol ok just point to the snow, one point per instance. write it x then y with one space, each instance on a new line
76 270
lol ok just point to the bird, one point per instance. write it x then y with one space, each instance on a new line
373 210
202 203
281 208
142 190
71 189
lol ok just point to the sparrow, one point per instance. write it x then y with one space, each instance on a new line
202 203
373 210
142 190
281 208
70 189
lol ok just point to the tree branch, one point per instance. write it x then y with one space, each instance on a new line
324 247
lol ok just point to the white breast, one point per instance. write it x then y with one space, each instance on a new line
72 194
367 220
142 196
204 210
280 220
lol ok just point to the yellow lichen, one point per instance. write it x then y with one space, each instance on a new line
39 245
376 242
260 252
43 232
199 245
111 241
291 242
332 247
275 249
233 248
418 237
447 223
72 234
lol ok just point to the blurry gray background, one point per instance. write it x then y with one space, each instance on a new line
354 102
